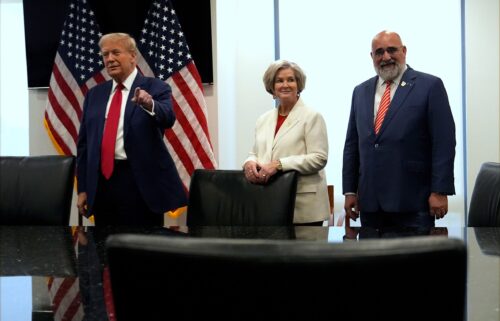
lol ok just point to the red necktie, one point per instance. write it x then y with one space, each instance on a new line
109 136
383 107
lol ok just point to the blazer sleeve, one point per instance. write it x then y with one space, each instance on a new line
442 129
82 151
350 165
162 95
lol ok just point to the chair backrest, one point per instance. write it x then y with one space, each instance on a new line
240 279
36 190
484 209
226 197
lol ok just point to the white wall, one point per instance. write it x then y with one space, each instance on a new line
482 34
15 298
244 49
14 125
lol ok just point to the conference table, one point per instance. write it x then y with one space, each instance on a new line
67 268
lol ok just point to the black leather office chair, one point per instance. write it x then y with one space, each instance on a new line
225 197
484 209
488 240
418 278
36 190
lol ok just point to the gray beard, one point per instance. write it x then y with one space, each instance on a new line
389 73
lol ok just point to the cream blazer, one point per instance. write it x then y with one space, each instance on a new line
301 144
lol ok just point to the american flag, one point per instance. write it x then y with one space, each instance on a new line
163 53
166 56
77 68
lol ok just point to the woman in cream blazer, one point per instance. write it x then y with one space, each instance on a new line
292 137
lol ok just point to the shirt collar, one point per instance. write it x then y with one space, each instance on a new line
127 84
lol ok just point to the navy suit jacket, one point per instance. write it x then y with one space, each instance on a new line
153 168
413 154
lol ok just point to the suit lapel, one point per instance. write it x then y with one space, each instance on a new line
369 97
104 95
404 88
130 107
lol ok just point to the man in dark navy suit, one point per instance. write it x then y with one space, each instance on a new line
138 182
398 163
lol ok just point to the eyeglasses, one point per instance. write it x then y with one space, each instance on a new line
390 50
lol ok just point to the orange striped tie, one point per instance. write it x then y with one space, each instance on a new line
383 107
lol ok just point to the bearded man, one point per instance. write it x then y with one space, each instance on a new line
400 144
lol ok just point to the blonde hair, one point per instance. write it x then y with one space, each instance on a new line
270 75
120 36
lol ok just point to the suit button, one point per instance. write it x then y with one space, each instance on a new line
376 145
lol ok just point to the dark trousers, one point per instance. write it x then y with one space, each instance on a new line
401 219
119 202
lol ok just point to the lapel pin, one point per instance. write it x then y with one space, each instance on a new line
403 84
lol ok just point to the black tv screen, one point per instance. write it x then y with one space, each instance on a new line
43 22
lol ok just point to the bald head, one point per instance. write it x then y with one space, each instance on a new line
387 35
